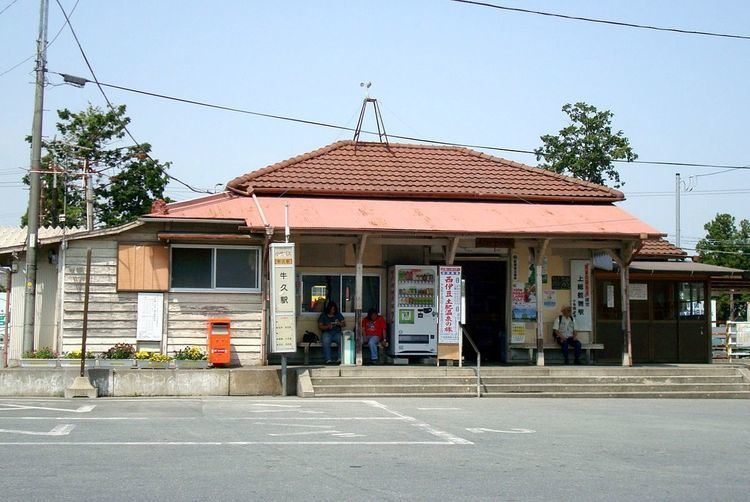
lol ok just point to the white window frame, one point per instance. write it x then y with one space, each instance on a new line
213 288
341 276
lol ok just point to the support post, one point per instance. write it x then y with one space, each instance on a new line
85 323
539 252
677 208
358 273
6 342
450 254
626 255
81 386
89 195
283 375
29 312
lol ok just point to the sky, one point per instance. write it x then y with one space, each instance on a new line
440 70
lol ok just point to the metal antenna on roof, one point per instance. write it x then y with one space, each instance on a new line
382 135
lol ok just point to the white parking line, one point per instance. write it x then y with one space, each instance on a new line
421 425
226 443
80 409
59 430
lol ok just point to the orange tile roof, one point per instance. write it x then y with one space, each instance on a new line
660 248
416 171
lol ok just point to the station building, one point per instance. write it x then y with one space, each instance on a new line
529 242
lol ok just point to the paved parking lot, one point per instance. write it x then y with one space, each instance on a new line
364 449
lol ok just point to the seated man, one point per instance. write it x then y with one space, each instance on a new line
565 334
374 328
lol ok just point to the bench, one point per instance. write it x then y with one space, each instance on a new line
316 345
531 347
307 346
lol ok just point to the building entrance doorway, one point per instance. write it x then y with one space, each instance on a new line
486 291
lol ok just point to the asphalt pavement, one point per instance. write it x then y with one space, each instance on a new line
374 449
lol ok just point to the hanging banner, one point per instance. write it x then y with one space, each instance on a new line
580 294
283 332
450 305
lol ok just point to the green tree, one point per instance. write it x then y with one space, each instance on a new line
125 180
587 148
727 244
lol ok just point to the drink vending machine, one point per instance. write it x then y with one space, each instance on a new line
412 310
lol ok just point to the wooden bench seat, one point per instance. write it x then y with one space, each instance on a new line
531 347
307 346
316 345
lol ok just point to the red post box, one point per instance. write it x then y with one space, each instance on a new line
219 341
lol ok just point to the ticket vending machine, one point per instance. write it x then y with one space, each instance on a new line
219 341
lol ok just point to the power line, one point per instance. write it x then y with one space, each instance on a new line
109 103
48 43
8 6
318 123
682 31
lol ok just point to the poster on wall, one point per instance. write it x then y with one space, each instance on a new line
518 332
514 265
638 291
549 298
450 304
523 297
150 317
283 331
580 293
610 296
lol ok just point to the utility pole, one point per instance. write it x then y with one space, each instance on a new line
677 207
89 195
35 181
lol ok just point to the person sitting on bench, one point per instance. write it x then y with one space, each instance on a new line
565 334
374 327
330 323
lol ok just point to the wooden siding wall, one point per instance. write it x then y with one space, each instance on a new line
113 314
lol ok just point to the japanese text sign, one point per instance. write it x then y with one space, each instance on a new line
450 305
283 322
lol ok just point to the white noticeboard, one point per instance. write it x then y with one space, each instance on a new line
450 305
283 332
580 293
150 317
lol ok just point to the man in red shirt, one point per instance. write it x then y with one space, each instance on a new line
374 328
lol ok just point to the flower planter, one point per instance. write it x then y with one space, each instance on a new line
76 363
38 363
190 364
116 363
154 365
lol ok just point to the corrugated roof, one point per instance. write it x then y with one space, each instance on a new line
16 236
13 239
684 267
346 168
310 214
660 248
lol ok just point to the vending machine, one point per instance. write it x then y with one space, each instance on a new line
412 310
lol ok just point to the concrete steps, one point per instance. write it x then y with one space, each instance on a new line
687 382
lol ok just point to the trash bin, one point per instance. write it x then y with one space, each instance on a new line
219 341
348 348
